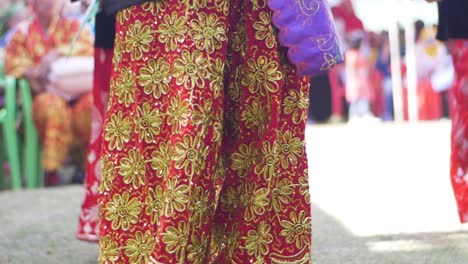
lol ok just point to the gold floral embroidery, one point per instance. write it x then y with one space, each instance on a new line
148 123
298 229
197 249
190 155
178 113
117 131
262 76
217 77
230 201
270 159
155 204
132 168
244 158
304 186
125 87
161 159
203 113
291 148
172 31
109 251
138 40
107 175
281 195
257 241
256 116
138 250
176 197
296 103
155 77
122 211
191 69
155 7
176 240
201 206
265 30
208 32
254 201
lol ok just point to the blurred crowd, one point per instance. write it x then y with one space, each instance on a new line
361 88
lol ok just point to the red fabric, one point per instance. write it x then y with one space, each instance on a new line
203 149
88 224
337 91
377 87
459 157
352 22
358 85
429 102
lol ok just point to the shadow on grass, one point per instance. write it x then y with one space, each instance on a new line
334 244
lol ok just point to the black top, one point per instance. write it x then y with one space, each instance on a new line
112 6
105 31
453 19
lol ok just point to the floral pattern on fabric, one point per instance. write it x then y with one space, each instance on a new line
204 156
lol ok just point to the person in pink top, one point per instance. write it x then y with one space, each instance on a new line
358 87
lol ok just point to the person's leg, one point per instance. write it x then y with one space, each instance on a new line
88 225
459 157
81 123
53 121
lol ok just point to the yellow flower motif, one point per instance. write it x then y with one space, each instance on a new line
155 77
291 148
125 87
191 69
296 103
197 249
222 6
304 186
256 116
239 38
233 242
107 174
230 201
178 113
109 251
148 123
122 211
155 204
161 159
118 51
254 201
139 249
244 158
270 160
176 240
190 155
194 4
203 113
124 15
298 230
217 132
138 40
281 194
265 30
257 241
217 77
200 206
172 30
132 169
117 131
262 76
155 7
176 197
207 32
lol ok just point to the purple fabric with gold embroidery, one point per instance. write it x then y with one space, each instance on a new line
307 29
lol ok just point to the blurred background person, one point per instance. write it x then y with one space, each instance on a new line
358 86
36 45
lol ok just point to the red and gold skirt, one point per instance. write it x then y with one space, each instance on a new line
204 156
